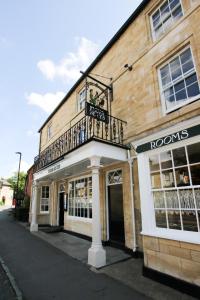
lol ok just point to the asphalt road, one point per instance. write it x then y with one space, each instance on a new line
43 272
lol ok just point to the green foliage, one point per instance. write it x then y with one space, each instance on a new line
13 181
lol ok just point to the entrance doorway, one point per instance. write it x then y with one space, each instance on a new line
61 208
115 207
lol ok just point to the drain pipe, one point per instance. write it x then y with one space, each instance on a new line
130 161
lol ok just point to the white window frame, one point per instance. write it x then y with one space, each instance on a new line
164 109
81 101
173 21
73 217
44 199
49 132
147 206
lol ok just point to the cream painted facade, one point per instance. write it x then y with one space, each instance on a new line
137 99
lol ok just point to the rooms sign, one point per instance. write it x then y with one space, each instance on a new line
170 139
96 112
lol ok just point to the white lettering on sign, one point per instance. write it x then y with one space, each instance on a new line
53 169
178 136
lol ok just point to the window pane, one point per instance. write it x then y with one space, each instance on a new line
193 90
177 13
185 56
156 18
173 3
159 199
181 96
155 180
170 102
188 66
175 68
197 197
186 198
189 220
166 160
166 80
195 174
171 199
182 177
161 220
179 86
164 9
168 178
164 71
191 79
174 219
154 162
179 157
194 153
169 94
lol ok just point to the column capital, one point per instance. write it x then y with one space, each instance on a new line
95 162
35 184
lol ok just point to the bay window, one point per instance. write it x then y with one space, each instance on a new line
175 188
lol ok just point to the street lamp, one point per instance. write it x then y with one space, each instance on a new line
20 156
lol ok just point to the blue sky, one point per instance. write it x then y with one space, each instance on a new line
43 45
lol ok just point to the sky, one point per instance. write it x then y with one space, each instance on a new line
43 46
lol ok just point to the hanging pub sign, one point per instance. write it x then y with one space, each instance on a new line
96 112
169 139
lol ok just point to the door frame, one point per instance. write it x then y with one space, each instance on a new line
58 213
107 200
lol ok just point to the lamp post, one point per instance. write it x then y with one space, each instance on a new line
20 156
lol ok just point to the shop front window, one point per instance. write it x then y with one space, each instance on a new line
175 187
80 198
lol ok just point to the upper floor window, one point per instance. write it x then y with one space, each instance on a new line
49 132
44 202
81 99
167 13
178 81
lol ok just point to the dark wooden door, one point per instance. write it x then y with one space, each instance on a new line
116 213
61 209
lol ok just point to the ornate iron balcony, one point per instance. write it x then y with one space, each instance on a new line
85 130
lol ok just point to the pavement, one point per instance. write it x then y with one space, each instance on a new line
53 266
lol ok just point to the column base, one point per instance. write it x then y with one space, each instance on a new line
34 227
97 256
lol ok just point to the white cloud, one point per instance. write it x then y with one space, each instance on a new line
68 69
31 133
24 166
47 102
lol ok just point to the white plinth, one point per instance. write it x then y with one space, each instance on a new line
34 227
97 256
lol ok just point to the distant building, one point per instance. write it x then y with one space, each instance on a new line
6 192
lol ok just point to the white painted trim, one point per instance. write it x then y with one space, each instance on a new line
147 207
167 131
73 218
176 235
190 100
91 149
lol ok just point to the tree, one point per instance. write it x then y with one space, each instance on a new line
13 181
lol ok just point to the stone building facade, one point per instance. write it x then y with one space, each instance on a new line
119 159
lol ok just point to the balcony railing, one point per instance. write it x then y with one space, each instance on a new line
82 132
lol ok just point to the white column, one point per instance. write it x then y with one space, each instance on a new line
96 253
34 225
